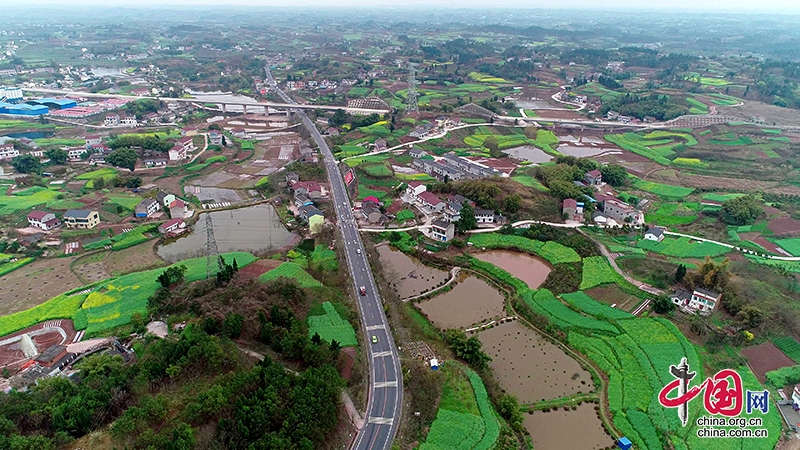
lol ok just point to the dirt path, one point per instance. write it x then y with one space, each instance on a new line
643 286
453 274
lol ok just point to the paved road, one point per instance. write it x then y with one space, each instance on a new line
386 383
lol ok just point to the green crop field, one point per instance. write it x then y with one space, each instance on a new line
405 214
106 172
331 327
721 197
683 247
770 131
466 419
59 142
529 181
324 258
128 202
23 200
112 301
634 143
377 170
292 271
791 245
723 100
351 150
635 354
597 271
358 91
790 346
663 190
690 162
696 106
553 252
669 214
729 139
7 267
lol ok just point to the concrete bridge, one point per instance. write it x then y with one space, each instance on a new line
247 104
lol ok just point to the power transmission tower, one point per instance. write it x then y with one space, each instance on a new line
411 96
212 254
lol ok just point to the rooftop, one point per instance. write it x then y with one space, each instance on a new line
78 213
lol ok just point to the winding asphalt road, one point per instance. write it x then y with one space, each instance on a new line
386 383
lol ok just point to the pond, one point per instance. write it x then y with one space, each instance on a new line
406 275
556 430
582 152
531 367
529 153
472 301
529 269
256 229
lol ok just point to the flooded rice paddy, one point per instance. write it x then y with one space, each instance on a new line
256 229
529 153
531 367
471 301
407 276
557 430
529 269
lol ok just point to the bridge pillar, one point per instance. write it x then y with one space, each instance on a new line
224 108
266 110
288 112
244 108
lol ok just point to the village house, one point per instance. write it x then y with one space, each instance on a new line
623 212
111 120
189 131
442 230
165 198
311 189
81 218
484 216
700 300
214 138
239 133
371 212
593 177
43 219
313 216
178 209
154 161
97 158
380 144
654 234
74 153
414 189
572 210
291 178
301 200
428 200
93 140
417 152
172 226
146 208
7 151
128 121
177 153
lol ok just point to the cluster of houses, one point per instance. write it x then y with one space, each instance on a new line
448 211
613 115
451 167
120 120
74 218
305 193
428 129
611 211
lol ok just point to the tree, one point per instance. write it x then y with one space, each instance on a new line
99 183
338 119
26 164
214 126
751 316
512 203
663 305
467 220
508 408
232 325
680 272
614 174
175 274
468 349
56 156
740 211
493 145
123 157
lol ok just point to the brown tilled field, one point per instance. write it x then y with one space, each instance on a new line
36 283
134 259
784 225
259 267
764 358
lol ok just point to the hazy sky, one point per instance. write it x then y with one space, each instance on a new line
771 6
